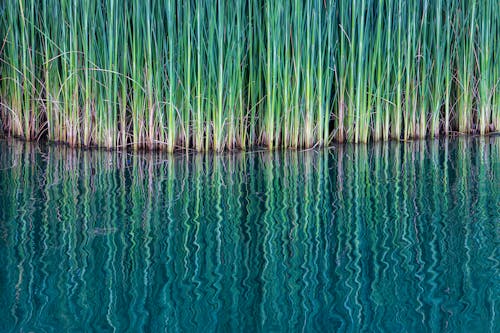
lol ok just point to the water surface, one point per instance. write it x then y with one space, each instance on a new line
389 237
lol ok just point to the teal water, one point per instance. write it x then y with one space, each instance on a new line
390 237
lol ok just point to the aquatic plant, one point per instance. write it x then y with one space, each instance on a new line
215 75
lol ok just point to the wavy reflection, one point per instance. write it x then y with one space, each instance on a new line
388 237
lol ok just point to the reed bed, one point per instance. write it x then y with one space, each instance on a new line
217 75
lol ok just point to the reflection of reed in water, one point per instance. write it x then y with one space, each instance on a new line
384 237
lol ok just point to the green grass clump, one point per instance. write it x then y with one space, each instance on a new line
216 75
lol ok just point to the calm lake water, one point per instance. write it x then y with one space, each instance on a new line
388 237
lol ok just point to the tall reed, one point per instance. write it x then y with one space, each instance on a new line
216 75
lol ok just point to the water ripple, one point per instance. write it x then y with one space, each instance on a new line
389 237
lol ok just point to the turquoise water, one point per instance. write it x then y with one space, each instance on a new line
389 237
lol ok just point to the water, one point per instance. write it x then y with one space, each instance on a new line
390 237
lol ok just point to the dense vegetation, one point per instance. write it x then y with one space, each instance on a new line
232 74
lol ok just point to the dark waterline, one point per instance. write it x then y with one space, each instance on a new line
389 237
